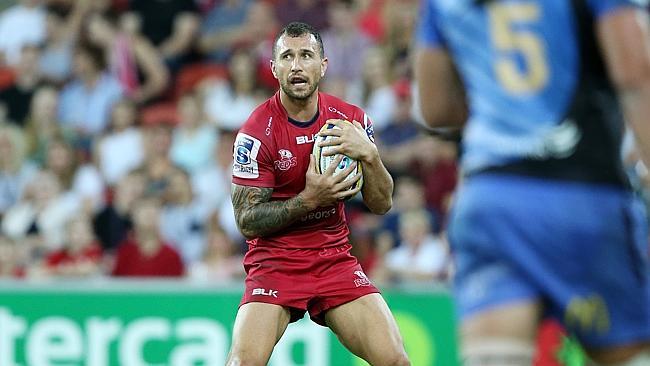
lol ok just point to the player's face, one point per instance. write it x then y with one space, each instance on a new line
298 65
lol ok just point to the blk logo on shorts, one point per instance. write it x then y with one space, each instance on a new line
265 292
362 280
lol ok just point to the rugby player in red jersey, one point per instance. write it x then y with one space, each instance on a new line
298 259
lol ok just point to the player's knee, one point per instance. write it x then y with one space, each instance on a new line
243 360
402 360
398 359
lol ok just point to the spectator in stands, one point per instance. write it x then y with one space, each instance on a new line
56 56
81 181
63 24
133 60
211 185
409 197
15 171
372 19
20 25
113 222
436 167
157 166
121 149
345 46
183 218
171 26
220 262
81 255
229 102
399 136
86 101
223 28
10 266
399 19
375 92
42 213
18 96
42 125
421 256
193 139
263 26
144 254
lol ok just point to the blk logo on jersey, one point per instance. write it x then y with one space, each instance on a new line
362 280
287 160
305 139
245 156
265 292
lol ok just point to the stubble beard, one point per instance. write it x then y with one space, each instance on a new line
286 88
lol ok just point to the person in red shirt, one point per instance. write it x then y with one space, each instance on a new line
299 256
81 255
144 254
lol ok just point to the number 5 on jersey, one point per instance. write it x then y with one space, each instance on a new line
511 37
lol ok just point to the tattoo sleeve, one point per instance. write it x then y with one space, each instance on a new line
256 216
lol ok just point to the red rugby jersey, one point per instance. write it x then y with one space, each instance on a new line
272 151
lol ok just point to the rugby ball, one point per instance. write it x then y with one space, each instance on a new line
323 162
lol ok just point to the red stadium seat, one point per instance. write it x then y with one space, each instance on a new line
191 75
161 113
7 77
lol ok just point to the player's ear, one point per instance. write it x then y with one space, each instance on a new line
272 64
323 66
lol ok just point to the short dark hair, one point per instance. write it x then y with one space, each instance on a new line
95 53
297 29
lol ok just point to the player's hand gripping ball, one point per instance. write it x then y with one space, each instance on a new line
323 161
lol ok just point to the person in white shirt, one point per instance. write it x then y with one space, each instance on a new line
421 256
20 25
122 149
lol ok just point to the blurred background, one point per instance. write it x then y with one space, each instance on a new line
118 244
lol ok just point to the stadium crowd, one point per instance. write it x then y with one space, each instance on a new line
117 120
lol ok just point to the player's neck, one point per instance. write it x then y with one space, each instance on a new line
300 109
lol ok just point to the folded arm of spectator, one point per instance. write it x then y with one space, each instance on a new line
186 27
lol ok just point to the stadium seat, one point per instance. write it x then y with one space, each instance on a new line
191 75
161 113
7 77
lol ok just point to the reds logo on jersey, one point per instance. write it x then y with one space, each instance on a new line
287 160
363 280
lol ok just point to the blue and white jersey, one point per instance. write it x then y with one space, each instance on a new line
539 97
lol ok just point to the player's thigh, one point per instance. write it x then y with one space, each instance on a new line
258 327
617 355
367 328
515 320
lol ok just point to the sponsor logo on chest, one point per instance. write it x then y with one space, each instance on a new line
300 140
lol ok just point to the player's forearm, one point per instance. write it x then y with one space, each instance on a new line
637 111
378 186
441 96
264 218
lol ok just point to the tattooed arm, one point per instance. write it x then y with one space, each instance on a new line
257 216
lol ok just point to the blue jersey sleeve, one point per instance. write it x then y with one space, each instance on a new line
601 7
428 34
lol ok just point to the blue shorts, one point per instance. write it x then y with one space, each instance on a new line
581 249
